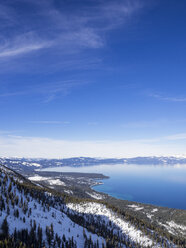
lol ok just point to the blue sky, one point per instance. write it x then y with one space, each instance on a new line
92 78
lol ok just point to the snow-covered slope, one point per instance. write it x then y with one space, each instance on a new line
124 227
23 210
45 219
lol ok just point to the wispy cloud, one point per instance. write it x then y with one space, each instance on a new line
84 26
168 98
22 44
144 124
9 132
50 122
93 123
11 94
2 132
164 139
17 50
47 91
7 16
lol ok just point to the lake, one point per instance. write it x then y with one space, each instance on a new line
160 185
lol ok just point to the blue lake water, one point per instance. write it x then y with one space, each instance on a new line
160 185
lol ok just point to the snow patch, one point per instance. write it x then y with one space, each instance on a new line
38 178
70 192
136 207
150 216
154 210
174 228
56 182
95 195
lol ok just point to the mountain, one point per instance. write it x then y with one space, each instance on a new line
25 164
35 216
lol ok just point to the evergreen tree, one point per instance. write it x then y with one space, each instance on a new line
5 227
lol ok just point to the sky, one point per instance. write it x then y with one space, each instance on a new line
95 78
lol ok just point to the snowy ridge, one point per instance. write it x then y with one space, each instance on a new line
24 211
21 164
173 228
127 229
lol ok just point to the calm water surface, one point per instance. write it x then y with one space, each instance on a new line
159 185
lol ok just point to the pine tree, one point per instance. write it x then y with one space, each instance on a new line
5 227
10 187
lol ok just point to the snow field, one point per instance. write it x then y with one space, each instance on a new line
44 217
108 215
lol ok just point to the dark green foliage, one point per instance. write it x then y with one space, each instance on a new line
5 228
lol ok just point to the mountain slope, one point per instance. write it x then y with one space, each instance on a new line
31 210
40 217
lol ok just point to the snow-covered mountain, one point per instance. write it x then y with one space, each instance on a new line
40 217
21 164
31 212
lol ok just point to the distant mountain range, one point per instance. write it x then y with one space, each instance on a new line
31 164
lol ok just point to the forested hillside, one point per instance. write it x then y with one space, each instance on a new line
33 216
